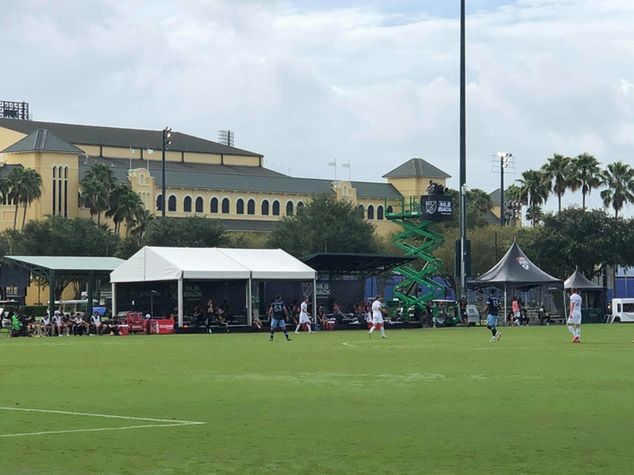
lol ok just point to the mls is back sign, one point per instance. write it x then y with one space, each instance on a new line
436 207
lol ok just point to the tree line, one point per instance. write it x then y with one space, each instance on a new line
100 191
561 174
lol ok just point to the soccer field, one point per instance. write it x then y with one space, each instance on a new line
422 401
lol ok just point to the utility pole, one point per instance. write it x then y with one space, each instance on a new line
463 157
167 140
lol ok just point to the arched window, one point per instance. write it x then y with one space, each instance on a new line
213 206
60 190
361 210
199 205
379 212
289 208
54 188
389 210
239 206
265 208
171 203
251 207
159 203
225 205
187 204
300 206
276 208
370 212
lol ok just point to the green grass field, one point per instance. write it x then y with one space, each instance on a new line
423 401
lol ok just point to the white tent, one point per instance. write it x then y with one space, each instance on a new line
152 264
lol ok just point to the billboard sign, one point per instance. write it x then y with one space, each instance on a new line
436 207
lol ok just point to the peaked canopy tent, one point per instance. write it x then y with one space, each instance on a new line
51 267
169 264
513 271
589 289
579 281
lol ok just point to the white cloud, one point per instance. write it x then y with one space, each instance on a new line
303 86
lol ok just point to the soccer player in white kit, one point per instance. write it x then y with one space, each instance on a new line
377 317
574 318
303 316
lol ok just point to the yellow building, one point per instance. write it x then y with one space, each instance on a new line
203 178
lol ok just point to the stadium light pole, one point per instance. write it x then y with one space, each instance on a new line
167 140
504 162
463 158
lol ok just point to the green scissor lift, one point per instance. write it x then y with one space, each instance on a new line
417 239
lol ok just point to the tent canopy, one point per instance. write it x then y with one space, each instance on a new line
515 270
579 281
349 263
68 264
49 267
174 263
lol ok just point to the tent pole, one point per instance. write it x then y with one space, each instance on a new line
504 316
51 293
180 302
91 294
114 299
315 300
250 300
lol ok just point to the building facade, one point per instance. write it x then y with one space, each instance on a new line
203 178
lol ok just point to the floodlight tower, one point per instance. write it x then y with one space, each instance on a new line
167 140
505 158
463 158
226 137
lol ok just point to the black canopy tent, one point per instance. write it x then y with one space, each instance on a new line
344 273
580 282
349 263
514 271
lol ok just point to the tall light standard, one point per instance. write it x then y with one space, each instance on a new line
504 158
167 140
463 158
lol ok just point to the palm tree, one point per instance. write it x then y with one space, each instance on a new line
534 214
97 186
586 175
125 205
31 189
618 177
557 168
514 199
95 196
4 190
535 187
479 201
15 181
141 222
103 173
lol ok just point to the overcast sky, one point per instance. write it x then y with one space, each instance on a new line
304 82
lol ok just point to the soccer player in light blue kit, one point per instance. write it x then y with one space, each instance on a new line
278 314
492 310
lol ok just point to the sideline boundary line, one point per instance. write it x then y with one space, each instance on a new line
158 422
